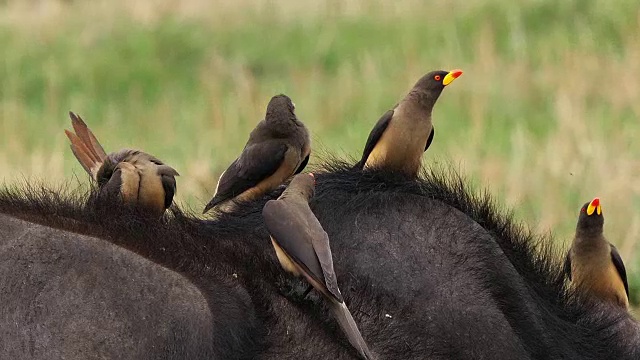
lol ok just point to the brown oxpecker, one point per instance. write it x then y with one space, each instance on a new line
593 264
403 133
278 148
302 248
140 179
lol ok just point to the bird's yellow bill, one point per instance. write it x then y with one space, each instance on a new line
452 75
594 206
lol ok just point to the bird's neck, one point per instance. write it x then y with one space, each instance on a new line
590 239
421 101
281 128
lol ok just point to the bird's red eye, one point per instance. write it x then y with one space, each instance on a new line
437 77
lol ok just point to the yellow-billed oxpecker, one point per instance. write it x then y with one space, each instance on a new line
139 178
278 148
593 264
403 133
302 248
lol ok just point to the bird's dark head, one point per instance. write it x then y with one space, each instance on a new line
302 185
110 163
280 107
106 171
430 86
591 219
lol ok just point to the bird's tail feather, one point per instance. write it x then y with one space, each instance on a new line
82 130
85 146
350 328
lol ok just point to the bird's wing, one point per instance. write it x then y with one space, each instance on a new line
567 265
256 163
374 136
320 241
85 146
290 231
430 140
303 164
619 264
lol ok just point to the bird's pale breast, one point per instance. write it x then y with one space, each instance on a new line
402 144
597 274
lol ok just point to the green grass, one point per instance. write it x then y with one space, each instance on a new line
545 115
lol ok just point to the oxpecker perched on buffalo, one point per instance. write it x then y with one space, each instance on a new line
403 133
302 247
278 148
139 179
593 264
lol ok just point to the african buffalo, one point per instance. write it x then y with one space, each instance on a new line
429 270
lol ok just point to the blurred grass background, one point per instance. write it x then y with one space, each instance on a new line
545 115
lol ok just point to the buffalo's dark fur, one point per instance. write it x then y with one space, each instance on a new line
72 296
428 269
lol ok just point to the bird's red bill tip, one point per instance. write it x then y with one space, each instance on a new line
456 73
595 202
